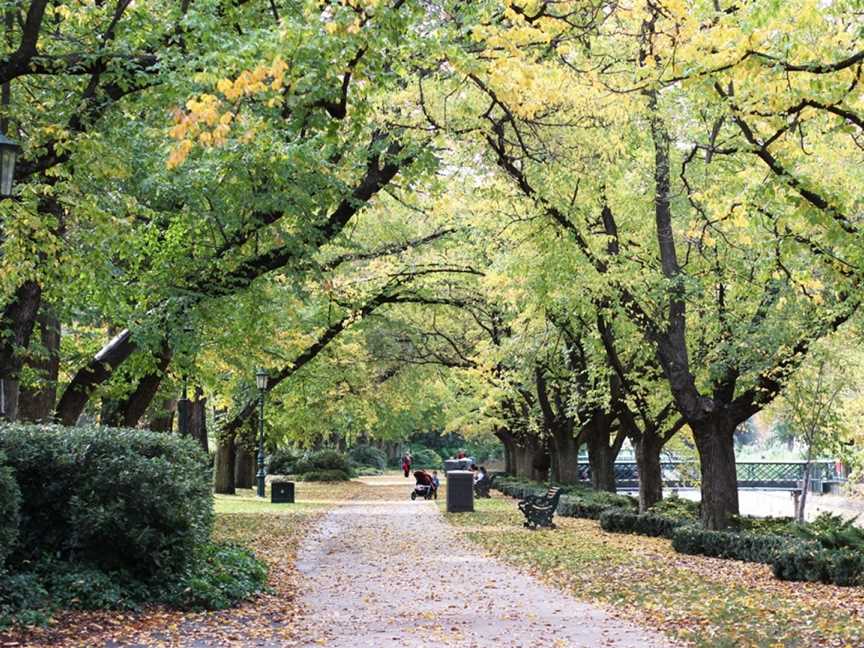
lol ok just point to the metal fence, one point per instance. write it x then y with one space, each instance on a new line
753 474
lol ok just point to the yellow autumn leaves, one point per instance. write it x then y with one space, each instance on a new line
207 120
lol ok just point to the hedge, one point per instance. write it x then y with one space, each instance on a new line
578 501
10 502
323 460
616 520
749 547
843 567
325 476
116 499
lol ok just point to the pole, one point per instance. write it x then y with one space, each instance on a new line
261 473
183 411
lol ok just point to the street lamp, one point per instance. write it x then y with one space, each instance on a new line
261 380
8 157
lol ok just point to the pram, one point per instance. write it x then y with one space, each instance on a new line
425 486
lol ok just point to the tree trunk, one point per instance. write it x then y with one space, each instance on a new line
98 370
647 448
162 420
198 419
601 455
16 326
244 470
509 444
716 445
532 459
566 454
223 475
805 487
38 404
136 404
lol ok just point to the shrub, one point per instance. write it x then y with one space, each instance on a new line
677 507
626 521
816 564
364 471
223 575
282 462
832 532
119 500
325 476
764 525
323 460
426 458
749 547
367 455
10 501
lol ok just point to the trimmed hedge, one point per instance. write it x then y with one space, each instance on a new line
843 567
749 547
325 476
578 501
116 499
10 503
616 520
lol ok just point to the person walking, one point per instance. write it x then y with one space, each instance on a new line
406 464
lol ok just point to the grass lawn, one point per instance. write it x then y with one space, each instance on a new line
706 602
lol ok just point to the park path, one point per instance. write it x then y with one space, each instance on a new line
394 573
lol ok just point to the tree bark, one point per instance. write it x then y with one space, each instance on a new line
223 475
509 443
98 370
602 450
566 453
135 405
532 459
163 419
647 448
244 469
198 419
38 404
16 327
715 442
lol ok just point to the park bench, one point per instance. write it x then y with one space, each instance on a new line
482 487
539 509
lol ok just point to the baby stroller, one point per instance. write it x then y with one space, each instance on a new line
425 486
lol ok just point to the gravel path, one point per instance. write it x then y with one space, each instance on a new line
380 573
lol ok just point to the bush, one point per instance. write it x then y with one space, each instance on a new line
749 547
10 501
282 462
367 471
832 532
764 525
323 460
426 458
223 575
119 500
325 476
220 576
366 455
843 567
626 521
677 507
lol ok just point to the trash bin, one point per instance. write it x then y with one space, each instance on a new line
282 492
460 491
451 464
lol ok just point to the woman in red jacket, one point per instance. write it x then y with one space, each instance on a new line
406 464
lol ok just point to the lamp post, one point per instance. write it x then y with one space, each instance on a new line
8 157
261 380
183 410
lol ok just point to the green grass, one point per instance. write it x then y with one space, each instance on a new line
707 602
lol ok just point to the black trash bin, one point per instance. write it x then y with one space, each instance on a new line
282 492
460 491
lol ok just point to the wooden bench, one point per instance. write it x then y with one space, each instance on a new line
539 509
482 487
